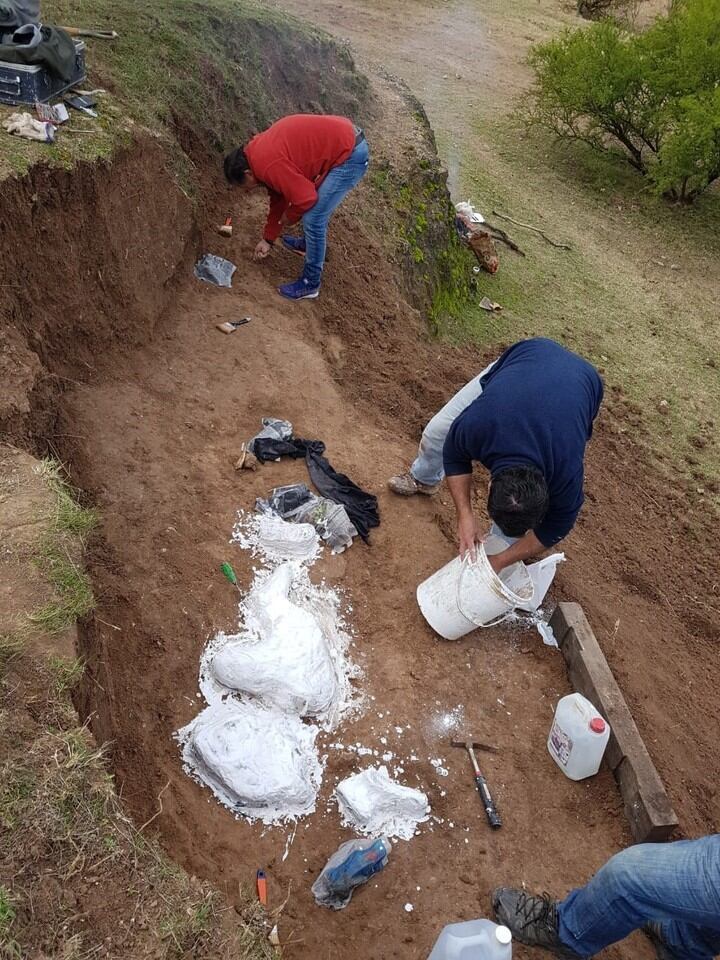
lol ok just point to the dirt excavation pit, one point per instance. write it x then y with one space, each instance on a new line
154 438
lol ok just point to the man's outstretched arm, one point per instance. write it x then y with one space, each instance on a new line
469 534
526 547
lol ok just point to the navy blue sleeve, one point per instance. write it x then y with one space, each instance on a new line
457 457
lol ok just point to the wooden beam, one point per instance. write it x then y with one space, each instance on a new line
647 805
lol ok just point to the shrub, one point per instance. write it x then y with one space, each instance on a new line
654 97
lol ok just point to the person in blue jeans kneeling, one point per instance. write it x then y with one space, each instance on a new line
308 164
671 891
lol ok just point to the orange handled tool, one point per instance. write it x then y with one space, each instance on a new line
262 887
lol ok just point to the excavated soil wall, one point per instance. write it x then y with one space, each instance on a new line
111 359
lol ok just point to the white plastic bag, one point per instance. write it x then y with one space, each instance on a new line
542 575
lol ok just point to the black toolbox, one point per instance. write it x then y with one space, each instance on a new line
23 83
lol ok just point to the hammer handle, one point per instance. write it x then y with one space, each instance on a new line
488 802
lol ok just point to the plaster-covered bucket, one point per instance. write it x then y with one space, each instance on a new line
467 594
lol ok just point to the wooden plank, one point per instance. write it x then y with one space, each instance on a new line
647 804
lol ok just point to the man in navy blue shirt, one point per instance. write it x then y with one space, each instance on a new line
527 418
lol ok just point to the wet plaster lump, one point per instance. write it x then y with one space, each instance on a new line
272 686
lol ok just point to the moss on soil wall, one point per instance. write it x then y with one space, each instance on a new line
436 268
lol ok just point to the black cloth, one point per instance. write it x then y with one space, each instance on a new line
268 448
56 52
361 507
16 13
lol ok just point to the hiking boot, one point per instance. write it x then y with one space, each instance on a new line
296 244
653 931
531 920
405 485
299 290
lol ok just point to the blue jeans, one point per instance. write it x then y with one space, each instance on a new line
428 465
674 884
332 191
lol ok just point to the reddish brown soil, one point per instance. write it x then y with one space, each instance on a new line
160 428
152 435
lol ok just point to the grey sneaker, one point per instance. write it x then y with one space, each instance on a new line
405 485
531 919
654 933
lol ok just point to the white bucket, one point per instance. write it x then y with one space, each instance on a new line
465 594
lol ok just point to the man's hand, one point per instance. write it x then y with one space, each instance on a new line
468 536
262 250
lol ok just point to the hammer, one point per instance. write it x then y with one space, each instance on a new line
480 781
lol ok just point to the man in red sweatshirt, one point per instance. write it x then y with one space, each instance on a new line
308 164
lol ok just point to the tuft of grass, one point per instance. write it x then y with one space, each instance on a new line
17 788
69 525
9 947
11 646
72 586
70 516
186 928
66 672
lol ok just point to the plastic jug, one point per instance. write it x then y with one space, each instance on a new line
578 737
473 940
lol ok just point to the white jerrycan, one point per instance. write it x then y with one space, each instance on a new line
578 737
473 940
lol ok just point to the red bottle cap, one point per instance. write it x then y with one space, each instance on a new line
597 725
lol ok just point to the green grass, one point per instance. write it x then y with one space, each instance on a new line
66 672
198 63
74 596
187 927
9 947
11 646
635 294
58 555
69 515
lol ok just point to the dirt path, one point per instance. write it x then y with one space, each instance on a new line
161 429
450 52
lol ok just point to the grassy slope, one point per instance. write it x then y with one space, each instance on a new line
638 293
174 59
63 833
178 66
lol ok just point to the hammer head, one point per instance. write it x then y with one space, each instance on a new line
473 745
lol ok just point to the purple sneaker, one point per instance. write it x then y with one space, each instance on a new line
299 290
296 244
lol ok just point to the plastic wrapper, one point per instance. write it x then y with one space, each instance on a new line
272 429
215 270
352 864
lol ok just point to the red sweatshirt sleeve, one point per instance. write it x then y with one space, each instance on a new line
296 193
273 227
